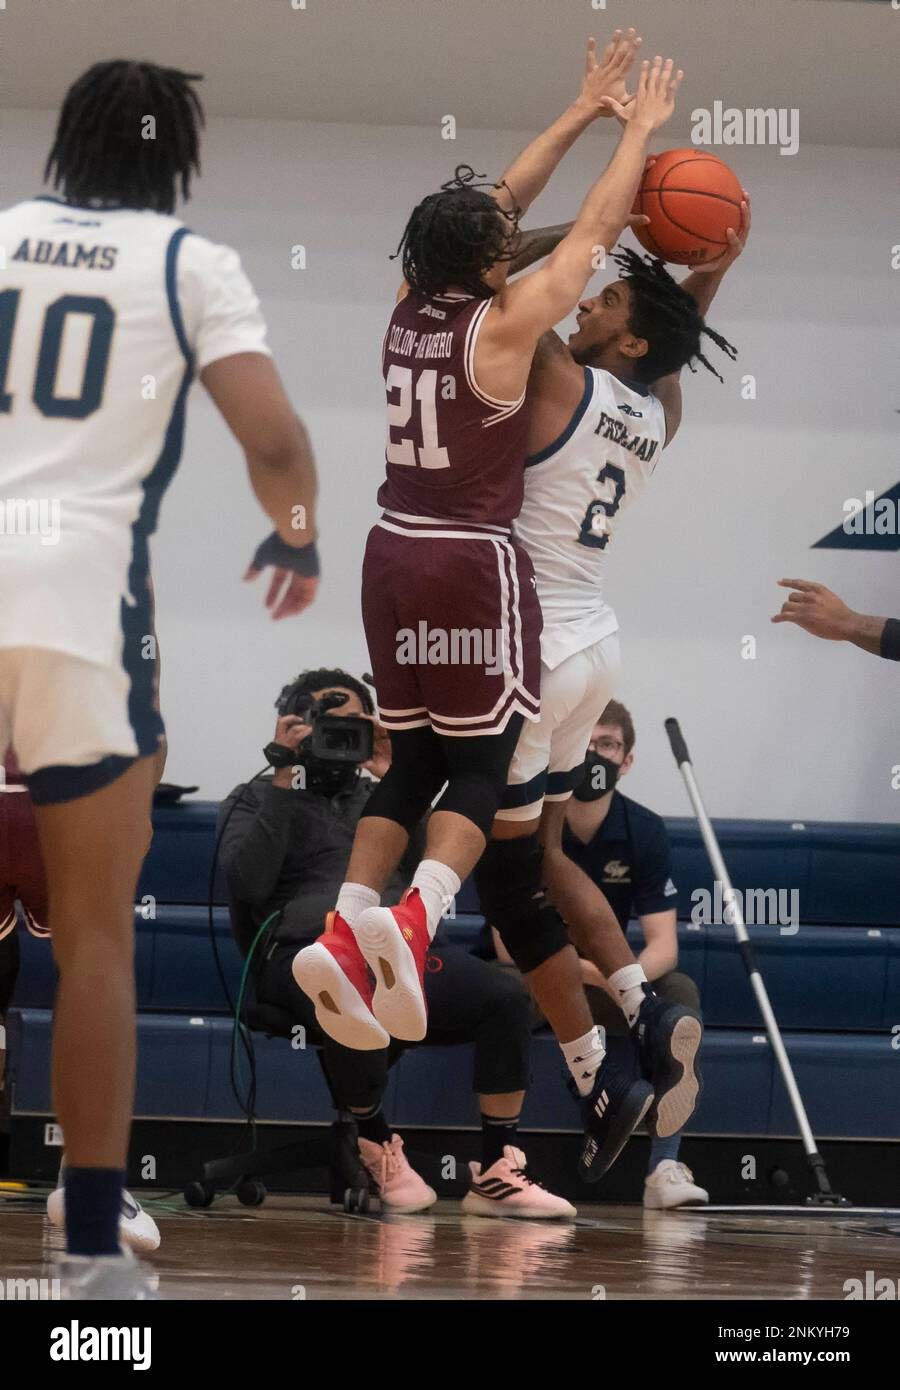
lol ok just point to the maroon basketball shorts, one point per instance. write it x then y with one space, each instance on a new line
453 624
21 866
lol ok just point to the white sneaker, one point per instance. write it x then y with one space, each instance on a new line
505 1189
136 1229
118 1278
671 1184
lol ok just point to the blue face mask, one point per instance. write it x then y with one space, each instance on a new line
600 776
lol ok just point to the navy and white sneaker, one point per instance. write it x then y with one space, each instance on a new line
137 1229
611 1112
668 1039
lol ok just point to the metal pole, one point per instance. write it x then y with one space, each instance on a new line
734 915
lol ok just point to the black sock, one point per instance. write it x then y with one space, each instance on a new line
93 1202
495 1135
372 1125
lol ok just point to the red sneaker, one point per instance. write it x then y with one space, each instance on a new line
395 941
332 972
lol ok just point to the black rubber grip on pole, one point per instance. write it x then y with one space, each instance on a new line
676 739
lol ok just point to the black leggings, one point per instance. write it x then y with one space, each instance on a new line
474 769
9 966
469 1000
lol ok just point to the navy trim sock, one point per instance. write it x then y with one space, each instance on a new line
661 1149
496 1133
93 1205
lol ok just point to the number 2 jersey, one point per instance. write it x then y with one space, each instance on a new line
453 451
106 315
575 491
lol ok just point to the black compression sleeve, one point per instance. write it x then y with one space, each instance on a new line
890 639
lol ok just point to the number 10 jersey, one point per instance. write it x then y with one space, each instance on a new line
106 315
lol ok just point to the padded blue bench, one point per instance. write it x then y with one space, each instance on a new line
835 987
850 1083
847 875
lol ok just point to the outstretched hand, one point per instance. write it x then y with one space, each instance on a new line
604 77
654 101
816 609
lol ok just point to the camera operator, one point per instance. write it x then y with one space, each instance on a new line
284 850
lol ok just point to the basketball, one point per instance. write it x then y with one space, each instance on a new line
691 198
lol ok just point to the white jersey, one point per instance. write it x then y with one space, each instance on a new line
575 491
106 315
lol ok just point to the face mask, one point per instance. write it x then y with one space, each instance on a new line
600 776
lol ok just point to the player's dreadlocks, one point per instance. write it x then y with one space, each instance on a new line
100 152
454 236
667 317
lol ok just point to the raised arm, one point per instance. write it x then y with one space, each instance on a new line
702 284
603 84
531 305
537 243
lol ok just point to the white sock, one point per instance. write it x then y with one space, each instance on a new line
438 885
353 899
629 986
583 1058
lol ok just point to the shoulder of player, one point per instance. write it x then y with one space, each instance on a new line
555 374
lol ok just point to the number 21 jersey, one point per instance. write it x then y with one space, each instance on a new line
453 452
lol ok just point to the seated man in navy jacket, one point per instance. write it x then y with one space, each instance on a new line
624 848
286 842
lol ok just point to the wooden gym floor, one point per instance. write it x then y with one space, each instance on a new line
299 1247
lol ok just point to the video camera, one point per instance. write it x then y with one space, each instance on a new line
339 738
335 738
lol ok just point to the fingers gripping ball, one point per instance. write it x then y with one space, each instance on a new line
691 198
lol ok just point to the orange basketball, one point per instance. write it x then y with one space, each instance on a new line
691 198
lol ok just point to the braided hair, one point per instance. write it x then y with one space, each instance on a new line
667 317
454 236
100 153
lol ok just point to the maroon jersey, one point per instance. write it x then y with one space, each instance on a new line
453 452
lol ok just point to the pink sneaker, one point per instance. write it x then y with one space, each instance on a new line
333 974
399 1185
507 1190
395 941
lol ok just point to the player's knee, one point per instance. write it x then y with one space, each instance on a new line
408 788
534 940
475 795
509 1007
509 882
